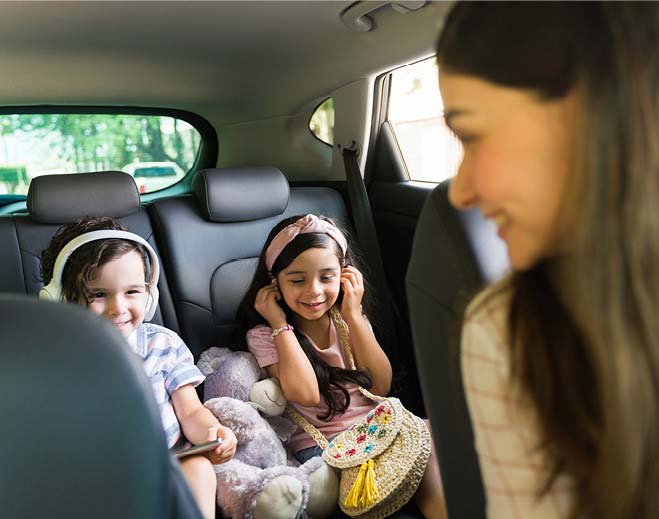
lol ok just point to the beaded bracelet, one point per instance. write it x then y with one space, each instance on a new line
277 331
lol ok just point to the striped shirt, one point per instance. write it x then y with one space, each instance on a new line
169 364
506 429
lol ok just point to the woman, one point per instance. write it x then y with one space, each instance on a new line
557 108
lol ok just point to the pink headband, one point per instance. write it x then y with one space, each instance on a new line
306 224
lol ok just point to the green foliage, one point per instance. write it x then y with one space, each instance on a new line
90 142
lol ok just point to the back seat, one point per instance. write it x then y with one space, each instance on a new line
210 241
54 200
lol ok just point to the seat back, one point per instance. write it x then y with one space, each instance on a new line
81 431
210 242
453 255
54 200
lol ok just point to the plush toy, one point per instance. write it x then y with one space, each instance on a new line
261 481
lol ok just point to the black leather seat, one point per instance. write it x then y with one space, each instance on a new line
210 242
453 255
80 429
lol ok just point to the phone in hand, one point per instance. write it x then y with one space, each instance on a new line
197 449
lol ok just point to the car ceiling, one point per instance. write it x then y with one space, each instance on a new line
246 60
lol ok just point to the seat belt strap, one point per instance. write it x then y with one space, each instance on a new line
368 241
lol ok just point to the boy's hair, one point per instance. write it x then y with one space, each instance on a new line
331 380
83 265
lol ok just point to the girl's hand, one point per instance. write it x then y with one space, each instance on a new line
227 449
352 283
266 304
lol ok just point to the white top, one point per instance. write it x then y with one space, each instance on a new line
505 426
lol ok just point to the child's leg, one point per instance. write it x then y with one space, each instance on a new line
429 496
201 478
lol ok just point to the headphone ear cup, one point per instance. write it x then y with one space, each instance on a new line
49 293
151 302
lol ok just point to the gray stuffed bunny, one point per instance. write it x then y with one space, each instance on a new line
261 481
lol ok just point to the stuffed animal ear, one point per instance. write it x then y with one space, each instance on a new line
210 359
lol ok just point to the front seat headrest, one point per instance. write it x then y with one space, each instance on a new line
241 194
61 199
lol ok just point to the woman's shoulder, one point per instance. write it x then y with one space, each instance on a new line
485 322
491 303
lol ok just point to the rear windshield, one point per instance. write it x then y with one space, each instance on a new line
156 150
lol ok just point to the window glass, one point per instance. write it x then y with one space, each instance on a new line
156 150
321 123
430 151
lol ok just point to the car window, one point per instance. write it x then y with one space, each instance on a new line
429 149
321 123
157 150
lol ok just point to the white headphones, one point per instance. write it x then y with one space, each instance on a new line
53 290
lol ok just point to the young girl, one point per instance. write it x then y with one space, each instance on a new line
557 108
305 269
108 277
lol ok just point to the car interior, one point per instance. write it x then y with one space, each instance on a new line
251 80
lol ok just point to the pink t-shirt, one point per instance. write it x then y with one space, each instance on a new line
262 346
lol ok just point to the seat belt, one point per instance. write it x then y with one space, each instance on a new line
390 322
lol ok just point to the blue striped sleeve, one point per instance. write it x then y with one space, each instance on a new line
183 369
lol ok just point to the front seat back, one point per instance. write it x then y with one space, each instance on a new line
81 431
453 255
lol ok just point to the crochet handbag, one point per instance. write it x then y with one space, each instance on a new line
382 457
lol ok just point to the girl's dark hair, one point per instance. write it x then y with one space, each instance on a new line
331 379
83 265
584 329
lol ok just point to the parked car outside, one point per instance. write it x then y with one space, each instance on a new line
154 176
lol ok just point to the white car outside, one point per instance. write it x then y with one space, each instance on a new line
153 176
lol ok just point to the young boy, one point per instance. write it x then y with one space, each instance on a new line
108 276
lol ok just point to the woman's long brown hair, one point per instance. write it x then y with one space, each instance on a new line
584 328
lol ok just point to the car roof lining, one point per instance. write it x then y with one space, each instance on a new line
244 60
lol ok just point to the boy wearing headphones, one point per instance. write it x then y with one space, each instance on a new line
96 263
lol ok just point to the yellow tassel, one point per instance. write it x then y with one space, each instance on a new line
352 499
370 492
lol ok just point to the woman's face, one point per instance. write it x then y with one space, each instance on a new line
517 154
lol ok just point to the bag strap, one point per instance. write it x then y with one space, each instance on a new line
342 329
302 422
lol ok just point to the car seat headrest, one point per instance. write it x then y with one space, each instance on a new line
241 194
60 199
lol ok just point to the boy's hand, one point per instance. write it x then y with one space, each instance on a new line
227 449
352 283
266 304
